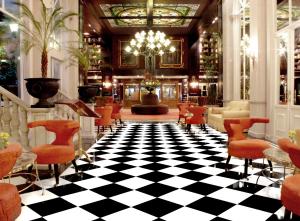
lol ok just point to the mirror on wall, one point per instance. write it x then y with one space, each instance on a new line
283 71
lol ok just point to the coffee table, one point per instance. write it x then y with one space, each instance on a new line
278 156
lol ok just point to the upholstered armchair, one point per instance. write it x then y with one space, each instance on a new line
197 118
116 112
105 120
290 190
238 144
234 109
183 109
61 150
10 201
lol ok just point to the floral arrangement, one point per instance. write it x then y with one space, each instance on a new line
292 135
150 85
3 140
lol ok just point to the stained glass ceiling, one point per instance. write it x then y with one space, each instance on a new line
125 10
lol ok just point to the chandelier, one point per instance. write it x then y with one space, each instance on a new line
150 44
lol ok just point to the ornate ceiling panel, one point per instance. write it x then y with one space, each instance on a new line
123 10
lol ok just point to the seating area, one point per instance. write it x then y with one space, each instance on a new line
151 110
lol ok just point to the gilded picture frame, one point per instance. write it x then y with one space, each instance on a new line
175 59
126 60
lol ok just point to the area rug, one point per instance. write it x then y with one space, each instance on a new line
128 116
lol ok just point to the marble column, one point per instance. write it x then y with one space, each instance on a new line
231 50
258 64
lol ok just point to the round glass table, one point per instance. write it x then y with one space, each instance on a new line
23 163
278 156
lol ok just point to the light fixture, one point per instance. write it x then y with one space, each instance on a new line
194 83
149 44
107 83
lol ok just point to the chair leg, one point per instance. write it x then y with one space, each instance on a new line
246 168
75 165
250 162
110 128
98 131
178 119
116 123
103 128
121 123
188 127
29 170
287 214
49 167
227 162
271 166
56 174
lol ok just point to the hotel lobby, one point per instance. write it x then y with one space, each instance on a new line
149 110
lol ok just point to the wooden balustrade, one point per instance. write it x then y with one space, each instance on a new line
15 113
13 117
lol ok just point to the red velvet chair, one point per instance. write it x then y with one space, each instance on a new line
241 147
105 120
116 112
10 201
61 150
183 109
290 190
197 118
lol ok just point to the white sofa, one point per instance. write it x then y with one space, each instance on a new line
234 109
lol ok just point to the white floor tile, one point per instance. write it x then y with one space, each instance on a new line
181 197
219 181
129 214
92 183
27 214
134 183
187 214
238 213
174 171
36 196
229 195
74 214
132 198
83 197
177 182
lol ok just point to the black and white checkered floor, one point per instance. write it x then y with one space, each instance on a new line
156 171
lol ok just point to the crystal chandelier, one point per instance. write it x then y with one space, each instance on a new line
150 44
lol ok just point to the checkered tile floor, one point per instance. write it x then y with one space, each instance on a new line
156 171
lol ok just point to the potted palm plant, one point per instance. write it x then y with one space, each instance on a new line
38 33
84 56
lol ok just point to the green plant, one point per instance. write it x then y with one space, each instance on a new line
85 56
39 31
3 140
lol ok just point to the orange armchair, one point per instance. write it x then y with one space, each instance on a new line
61 150
183 109
10 201
116 112
197 118
105 120
238 144
290 190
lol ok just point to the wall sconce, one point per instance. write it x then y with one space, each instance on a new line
194 83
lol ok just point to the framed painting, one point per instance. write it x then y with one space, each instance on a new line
175 59
126 60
